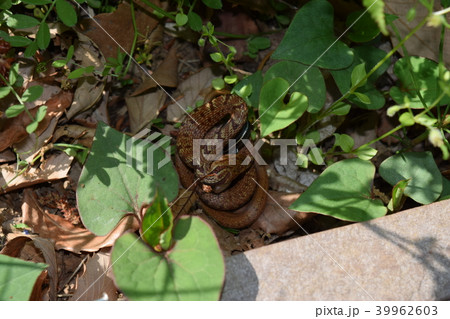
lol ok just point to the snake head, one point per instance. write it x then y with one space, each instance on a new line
220 174
219 178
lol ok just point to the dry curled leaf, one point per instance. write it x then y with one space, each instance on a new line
277 218
19 247
64 234
425 41
14 130
144 108
192 90
96 280
53 168
165 75
118 26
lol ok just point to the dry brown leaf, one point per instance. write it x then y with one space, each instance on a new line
18 247
64 234
144 108
195 88
425 42
89 91
119 27
7 156
81 134
278 220
165 75
38 293
14 130
96 280
56 167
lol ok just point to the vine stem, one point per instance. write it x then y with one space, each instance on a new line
395 129
133 46
378 65
17 96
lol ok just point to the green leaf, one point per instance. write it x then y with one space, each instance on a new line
310 37
6 4
364 30
43 36
259 43
362 97
343 78
216 57
426 180
156 227
4 91
358 73
181 19
366 153
255 81
274 114
344 141
411 14
14 110
30 51
421 78
445 189
40 114
32 93
32 127
306 80
37 2
214 4
341 108
195 21
115 179
19 41
407 119
21 21
80 72
398 191
18 277
192 270
230 79
343 191
376 10
218 83
66 13
59 63
14 73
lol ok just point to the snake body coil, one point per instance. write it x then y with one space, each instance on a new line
228 193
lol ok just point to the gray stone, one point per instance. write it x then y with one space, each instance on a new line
404 256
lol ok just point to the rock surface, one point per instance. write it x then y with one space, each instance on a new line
404 256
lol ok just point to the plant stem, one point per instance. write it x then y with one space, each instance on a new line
16 95
395 129
159 10
353 89
133 45
380 63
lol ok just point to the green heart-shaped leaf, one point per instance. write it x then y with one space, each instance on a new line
310 39
193 270
274 114
421 78
425 185
343 191
17 278
304 79
117 179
